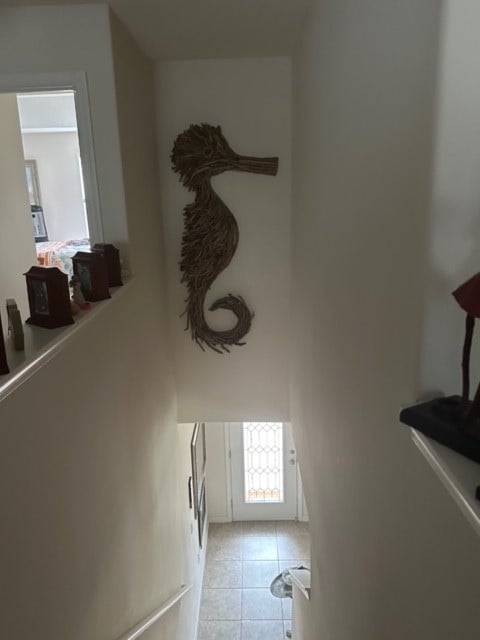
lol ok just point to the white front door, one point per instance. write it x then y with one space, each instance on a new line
264 471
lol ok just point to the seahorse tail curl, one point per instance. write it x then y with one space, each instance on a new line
204 335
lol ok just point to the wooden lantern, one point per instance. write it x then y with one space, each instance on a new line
112 258
3 355
91 269
48 297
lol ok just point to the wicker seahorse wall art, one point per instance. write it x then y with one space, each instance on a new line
210 234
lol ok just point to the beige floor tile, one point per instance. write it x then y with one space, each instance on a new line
219 630
223 574
300 537
259 573
291 527
259 528
225 530
259 604
225 549
221 604
260 548
262 630
287 608
245 554
293 547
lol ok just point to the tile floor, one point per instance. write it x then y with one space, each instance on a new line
242 559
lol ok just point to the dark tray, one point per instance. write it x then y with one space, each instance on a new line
447 426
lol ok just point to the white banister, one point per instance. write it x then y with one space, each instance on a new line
147 622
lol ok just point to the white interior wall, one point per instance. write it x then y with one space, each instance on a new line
93 539
17 246
218 473
393 556
454 254
49 40
57 156
250 99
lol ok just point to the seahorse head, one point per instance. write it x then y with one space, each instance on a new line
201 152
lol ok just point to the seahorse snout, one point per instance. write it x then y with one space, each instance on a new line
266 166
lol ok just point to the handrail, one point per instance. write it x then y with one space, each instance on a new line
147 622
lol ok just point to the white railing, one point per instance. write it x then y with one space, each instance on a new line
151 619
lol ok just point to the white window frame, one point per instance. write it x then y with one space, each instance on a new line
76 81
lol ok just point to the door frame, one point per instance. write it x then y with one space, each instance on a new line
301 512
73 81
228 471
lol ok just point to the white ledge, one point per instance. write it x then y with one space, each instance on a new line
41 345
460 475
302 578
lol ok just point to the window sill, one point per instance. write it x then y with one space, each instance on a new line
41 345
460 475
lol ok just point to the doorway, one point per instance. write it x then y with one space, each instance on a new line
253 479
263 471
47 154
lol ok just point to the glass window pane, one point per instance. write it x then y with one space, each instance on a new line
263 461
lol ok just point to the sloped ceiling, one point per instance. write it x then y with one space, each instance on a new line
176 29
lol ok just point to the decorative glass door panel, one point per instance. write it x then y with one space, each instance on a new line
263 463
